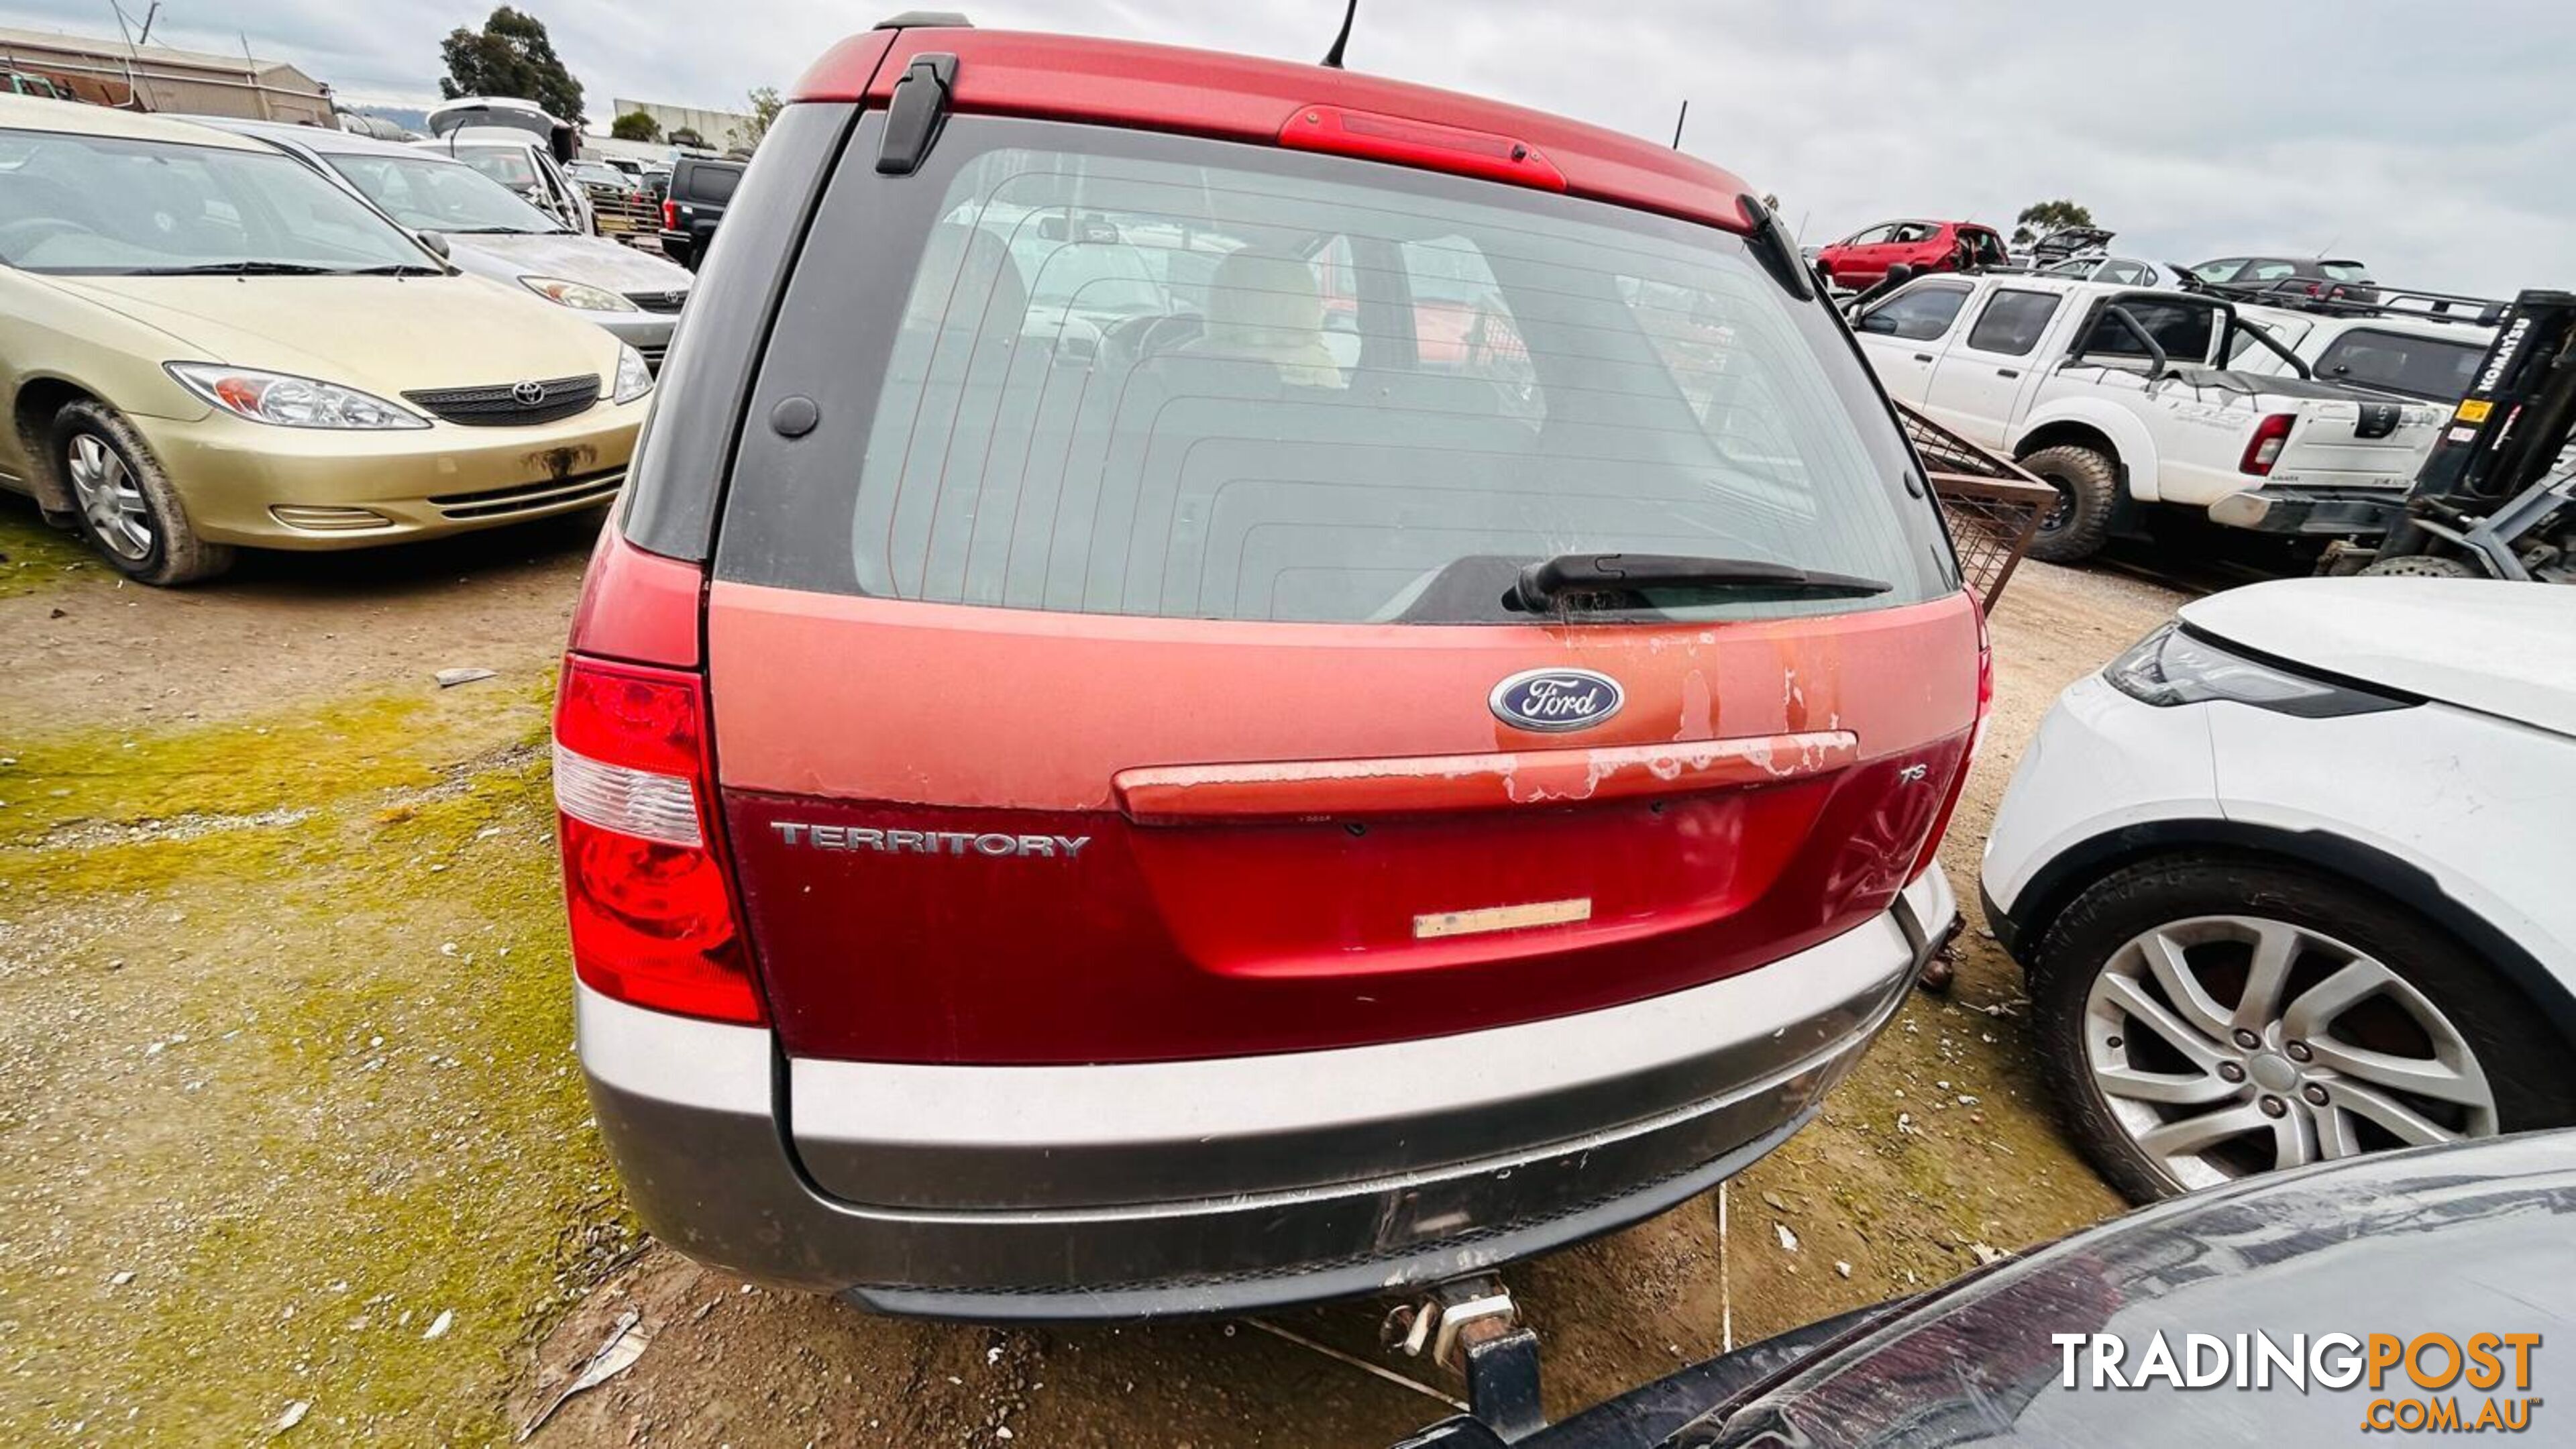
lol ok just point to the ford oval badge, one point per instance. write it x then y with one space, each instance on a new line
1556 699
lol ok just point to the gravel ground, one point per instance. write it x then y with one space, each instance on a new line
291 1145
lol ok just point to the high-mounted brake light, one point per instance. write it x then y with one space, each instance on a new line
1427 144
2264 448
653 918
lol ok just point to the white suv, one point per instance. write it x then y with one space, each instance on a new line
2290 878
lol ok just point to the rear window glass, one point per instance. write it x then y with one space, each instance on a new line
2185 330
2345 271
1088 370
507 165
712 183
2435 368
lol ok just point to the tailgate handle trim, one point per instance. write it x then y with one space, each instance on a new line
1439 784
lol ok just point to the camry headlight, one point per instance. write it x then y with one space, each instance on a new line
2173 666
579 295
289 401
634 379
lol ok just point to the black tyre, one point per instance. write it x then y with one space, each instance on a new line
2088 491
2424 566
126 507
2209 1017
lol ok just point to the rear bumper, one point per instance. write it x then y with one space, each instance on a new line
1247 1183
2282 511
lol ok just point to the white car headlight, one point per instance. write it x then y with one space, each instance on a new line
289 401
581 296
634 379
2173 666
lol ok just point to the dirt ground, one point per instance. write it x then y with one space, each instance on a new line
292 1145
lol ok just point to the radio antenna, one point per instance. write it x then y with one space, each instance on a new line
1679 121
1333 57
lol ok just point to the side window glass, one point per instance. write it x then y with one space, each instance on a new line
2012 322
1918 315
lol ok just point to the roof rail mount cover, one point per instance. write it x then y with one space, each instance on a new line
925 20
913 116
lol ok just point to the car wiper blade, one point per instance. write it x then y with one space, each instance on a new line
1620 579
390 269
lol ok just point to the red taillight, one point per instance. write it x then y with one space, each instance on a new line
1958 785
670 216
653 917
2264 448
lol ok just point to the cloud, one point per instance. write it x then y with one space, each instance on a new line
2192 128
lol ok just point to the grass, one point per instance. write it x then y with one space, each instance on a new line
35 557
313 1084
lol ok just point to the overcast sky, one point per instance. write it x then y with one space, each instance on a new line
2438 145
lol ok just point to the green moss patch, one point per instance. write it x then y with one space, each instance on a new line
35 556
296 1061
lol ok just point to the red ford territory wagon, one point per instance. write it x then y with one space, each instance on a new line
1093 784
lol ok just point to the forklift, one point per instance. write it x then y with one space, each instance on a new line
2496 498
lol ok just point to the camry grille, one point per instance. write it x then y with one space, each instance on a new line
510 404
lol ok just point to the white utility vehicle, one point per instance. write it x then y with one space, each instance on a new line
2121 397
2423 357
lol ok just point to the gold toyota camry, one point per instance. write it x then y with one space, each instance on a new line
204 345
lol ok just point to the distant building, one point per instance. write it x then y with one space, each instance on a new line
107 71
721 130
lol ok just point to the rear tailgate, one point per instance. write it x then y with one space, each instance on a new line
1113 678
974 845
2343 439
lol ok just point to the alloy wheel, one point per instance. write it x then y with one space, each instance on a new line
2227 1045
110 501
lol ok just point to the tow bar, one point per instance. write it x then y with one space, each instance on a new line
1472 1325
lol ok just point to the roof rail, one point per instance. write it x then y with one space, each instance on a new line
2293 292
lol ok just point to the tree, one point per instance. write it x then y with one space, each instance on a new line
686 137
765 106
2042 217
509 56
635 126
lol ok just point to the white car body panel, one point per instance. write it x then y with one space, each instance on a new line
2482 805
2479 802
2499 648
2101 762
2309 336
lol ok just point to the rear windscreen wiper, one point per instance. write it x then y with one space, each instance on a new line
1567 579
